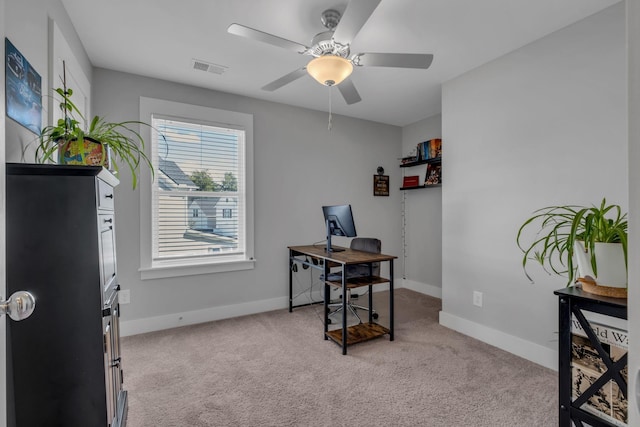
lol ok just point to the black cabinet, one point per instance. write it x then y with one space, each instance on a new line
574 303
63 362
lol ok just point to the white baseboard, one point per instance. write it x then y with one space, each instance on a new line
174 320
423 288
534 352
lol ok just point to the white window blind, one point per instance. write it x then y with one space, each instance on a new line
199 192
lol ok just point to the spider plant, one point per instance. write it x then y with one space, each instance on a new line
120 138
558 228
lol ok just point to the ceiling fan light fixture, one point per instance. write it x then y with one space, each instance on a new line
329 70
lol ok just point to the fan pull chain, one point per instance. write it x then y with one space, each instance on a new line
330 90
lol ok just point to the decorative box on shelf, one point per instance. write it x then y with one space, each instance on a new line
410 181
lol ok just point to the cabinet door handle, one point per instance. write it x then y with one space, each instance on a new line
108 196
110 220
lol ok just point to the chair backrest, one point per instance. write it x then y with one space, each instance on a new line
365 244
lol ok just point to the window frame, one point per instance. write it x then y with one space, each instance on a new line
150 269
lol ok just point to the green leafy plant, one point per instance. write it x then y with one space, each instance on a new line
558 228
125 143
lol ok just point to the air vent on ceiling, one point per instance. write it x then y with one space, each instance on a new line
207 66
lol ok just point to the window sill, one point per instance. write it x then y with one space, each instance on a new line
165 271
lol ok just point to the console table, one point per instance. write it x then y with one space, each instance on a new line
357 333
573 301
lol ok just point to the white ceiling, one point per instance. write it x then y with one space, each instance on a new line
160 38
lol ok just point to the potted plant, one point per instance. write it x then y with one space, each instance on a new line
596 237
101 144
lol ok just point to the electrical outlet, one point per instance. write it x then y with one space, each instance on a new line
477 298
125 296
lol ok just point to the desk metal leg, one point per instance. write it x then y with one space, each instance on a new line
326 310
290 281
370 294
390 300
345 333
370 304
327 298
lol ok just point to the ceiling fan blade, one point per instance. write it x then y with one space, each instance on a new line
400 60
250 33
349 92
355 16
286 79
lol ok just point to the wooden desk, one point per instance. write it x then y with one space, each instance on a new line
362 331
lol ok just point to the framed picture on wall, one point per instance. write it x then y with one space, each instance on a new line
380 185
23 89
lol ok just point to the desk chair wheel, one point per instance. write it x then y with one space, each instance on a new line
375 315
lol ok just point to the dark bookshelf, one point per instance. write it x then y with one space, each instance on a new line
573 301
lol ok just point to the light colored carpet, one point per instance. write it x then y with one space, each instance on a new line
275 369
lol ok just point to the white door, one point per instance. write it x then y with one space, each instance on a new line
633 44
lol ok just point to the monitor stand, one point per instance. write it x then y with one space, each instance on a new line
329 249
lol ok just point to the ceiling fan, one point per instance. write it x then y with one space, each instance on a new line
333 61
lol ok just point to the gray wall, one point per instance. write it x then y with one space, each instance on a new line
423 215
299 166
27 26
544 125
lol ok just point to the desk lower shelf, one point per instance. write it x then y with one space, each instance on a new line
356 282
358 333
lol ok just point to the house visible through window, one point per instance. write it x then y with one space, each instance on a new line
198 197
196 209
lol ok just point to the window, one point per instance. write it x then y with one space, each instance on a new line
199 206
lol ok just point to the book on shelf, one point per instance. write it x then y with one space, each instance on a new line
435 148
587 366
420 152
434 174
411 181
426 150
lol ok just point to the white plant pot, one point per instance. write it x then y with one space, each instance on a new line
612 271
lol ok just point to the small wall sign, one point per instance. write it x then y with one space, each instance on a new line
380 185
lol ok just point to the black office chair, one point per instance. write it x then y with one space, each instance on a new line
365 244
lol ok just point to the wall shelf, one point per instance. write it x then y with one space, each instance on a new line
421 162
421 186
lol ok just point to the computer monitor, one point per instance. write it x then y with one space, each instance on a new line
339 222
